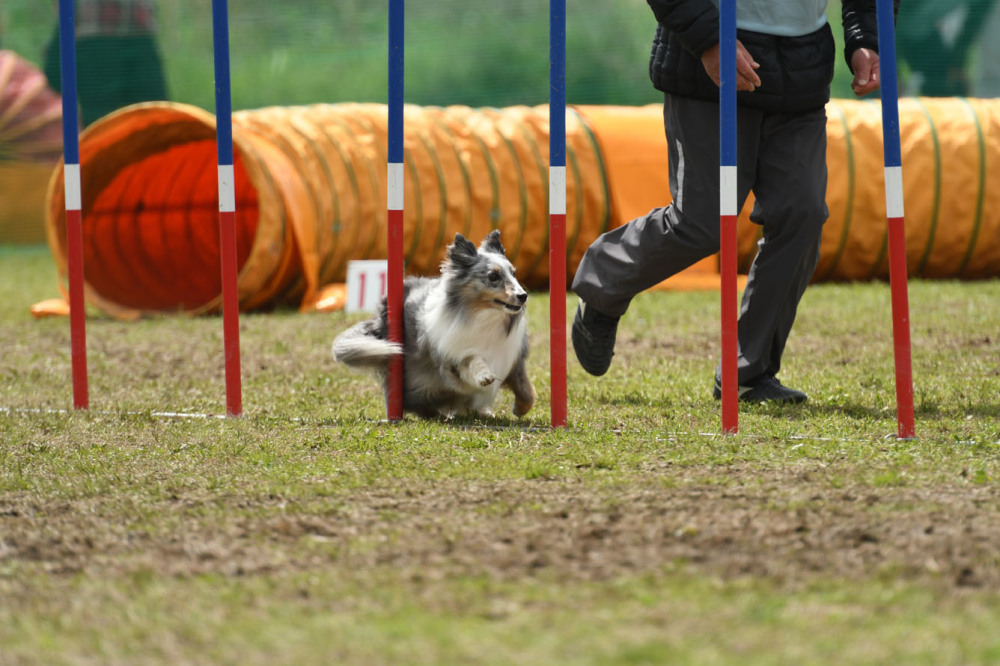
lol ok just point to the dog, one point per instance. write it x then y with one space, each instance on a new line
464 336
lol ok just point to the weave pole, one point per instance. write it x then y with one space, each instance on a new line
727 214
74 220
227 208
557 209
394 287
895 220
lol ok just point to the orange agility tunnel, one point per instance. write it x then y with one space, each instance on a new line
311 194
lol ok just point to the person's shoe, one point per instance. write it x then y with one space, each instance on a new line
763 389
593 336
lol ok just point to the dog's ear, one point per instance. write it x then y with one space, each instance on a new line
492 243
462 252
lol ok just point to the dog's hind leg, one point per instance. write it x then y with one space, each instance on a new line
475 372
524 393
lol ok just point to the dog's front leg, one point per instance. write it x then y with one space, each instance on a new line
475 372
524 393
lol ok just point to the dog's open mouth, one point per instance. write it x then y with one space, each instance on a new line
509 307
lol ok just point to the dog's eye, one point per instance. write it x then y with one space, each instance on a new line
494 277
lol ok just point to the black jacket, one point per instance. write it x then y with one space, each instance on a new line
795 72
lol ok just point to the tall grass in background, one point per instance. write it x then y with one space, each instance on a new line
456 53
310 51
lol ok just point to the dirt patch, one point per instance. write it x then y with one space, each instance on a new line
786 526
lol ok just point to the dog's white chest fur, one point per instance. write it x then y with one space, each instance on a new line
486 333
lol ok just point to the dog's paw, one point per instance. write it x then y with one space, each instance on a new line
523 406
477 372
485 377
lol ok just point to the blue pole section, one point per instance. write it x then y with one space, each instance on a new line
557 210
557 83
727 88
888 87
67 62
223 98
396 80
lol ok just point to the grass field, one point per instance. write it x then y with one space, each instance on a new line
310 532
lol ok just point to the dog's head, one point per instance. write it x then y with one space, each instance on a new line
483 277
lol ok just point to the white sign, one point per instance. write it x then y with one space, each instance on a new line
366 284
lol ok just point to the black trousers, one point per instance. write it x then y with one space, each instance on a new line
112 72
782 159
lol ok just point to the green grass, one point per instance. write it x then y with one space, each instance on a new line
319 619
310 531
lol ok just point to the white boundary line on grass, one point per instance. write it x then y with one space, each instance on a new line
168 415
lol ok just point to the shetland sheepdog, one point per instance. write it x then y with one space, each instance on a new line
464 335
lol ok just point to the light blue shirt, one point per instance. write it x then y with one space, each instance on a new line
787 18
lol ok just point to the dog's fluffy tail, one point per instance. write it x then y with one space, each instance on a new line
357 347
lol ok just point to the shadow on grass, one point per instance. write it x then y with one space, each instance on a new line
860 411
634 399
495 422
461 421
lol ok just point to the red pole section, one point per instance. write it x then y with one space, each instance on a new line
230 302
729 337
557 313
77 312
906 428
394 296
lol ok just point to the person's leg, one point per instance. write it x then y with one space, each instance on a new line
143 70
50 62
100 76
632 258
791 207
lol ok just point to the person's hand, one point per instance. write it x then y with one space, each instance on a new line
864 62
746 77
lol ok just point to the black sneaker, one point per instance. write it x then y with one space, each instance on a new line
593 336
763 389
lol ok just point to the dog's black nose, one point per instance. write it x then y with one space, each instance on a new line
522 297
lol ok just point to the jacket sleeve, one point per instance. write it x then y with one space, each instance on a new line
861 25
695 22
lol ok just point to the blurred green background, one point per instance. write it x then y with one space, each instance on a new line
480 54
